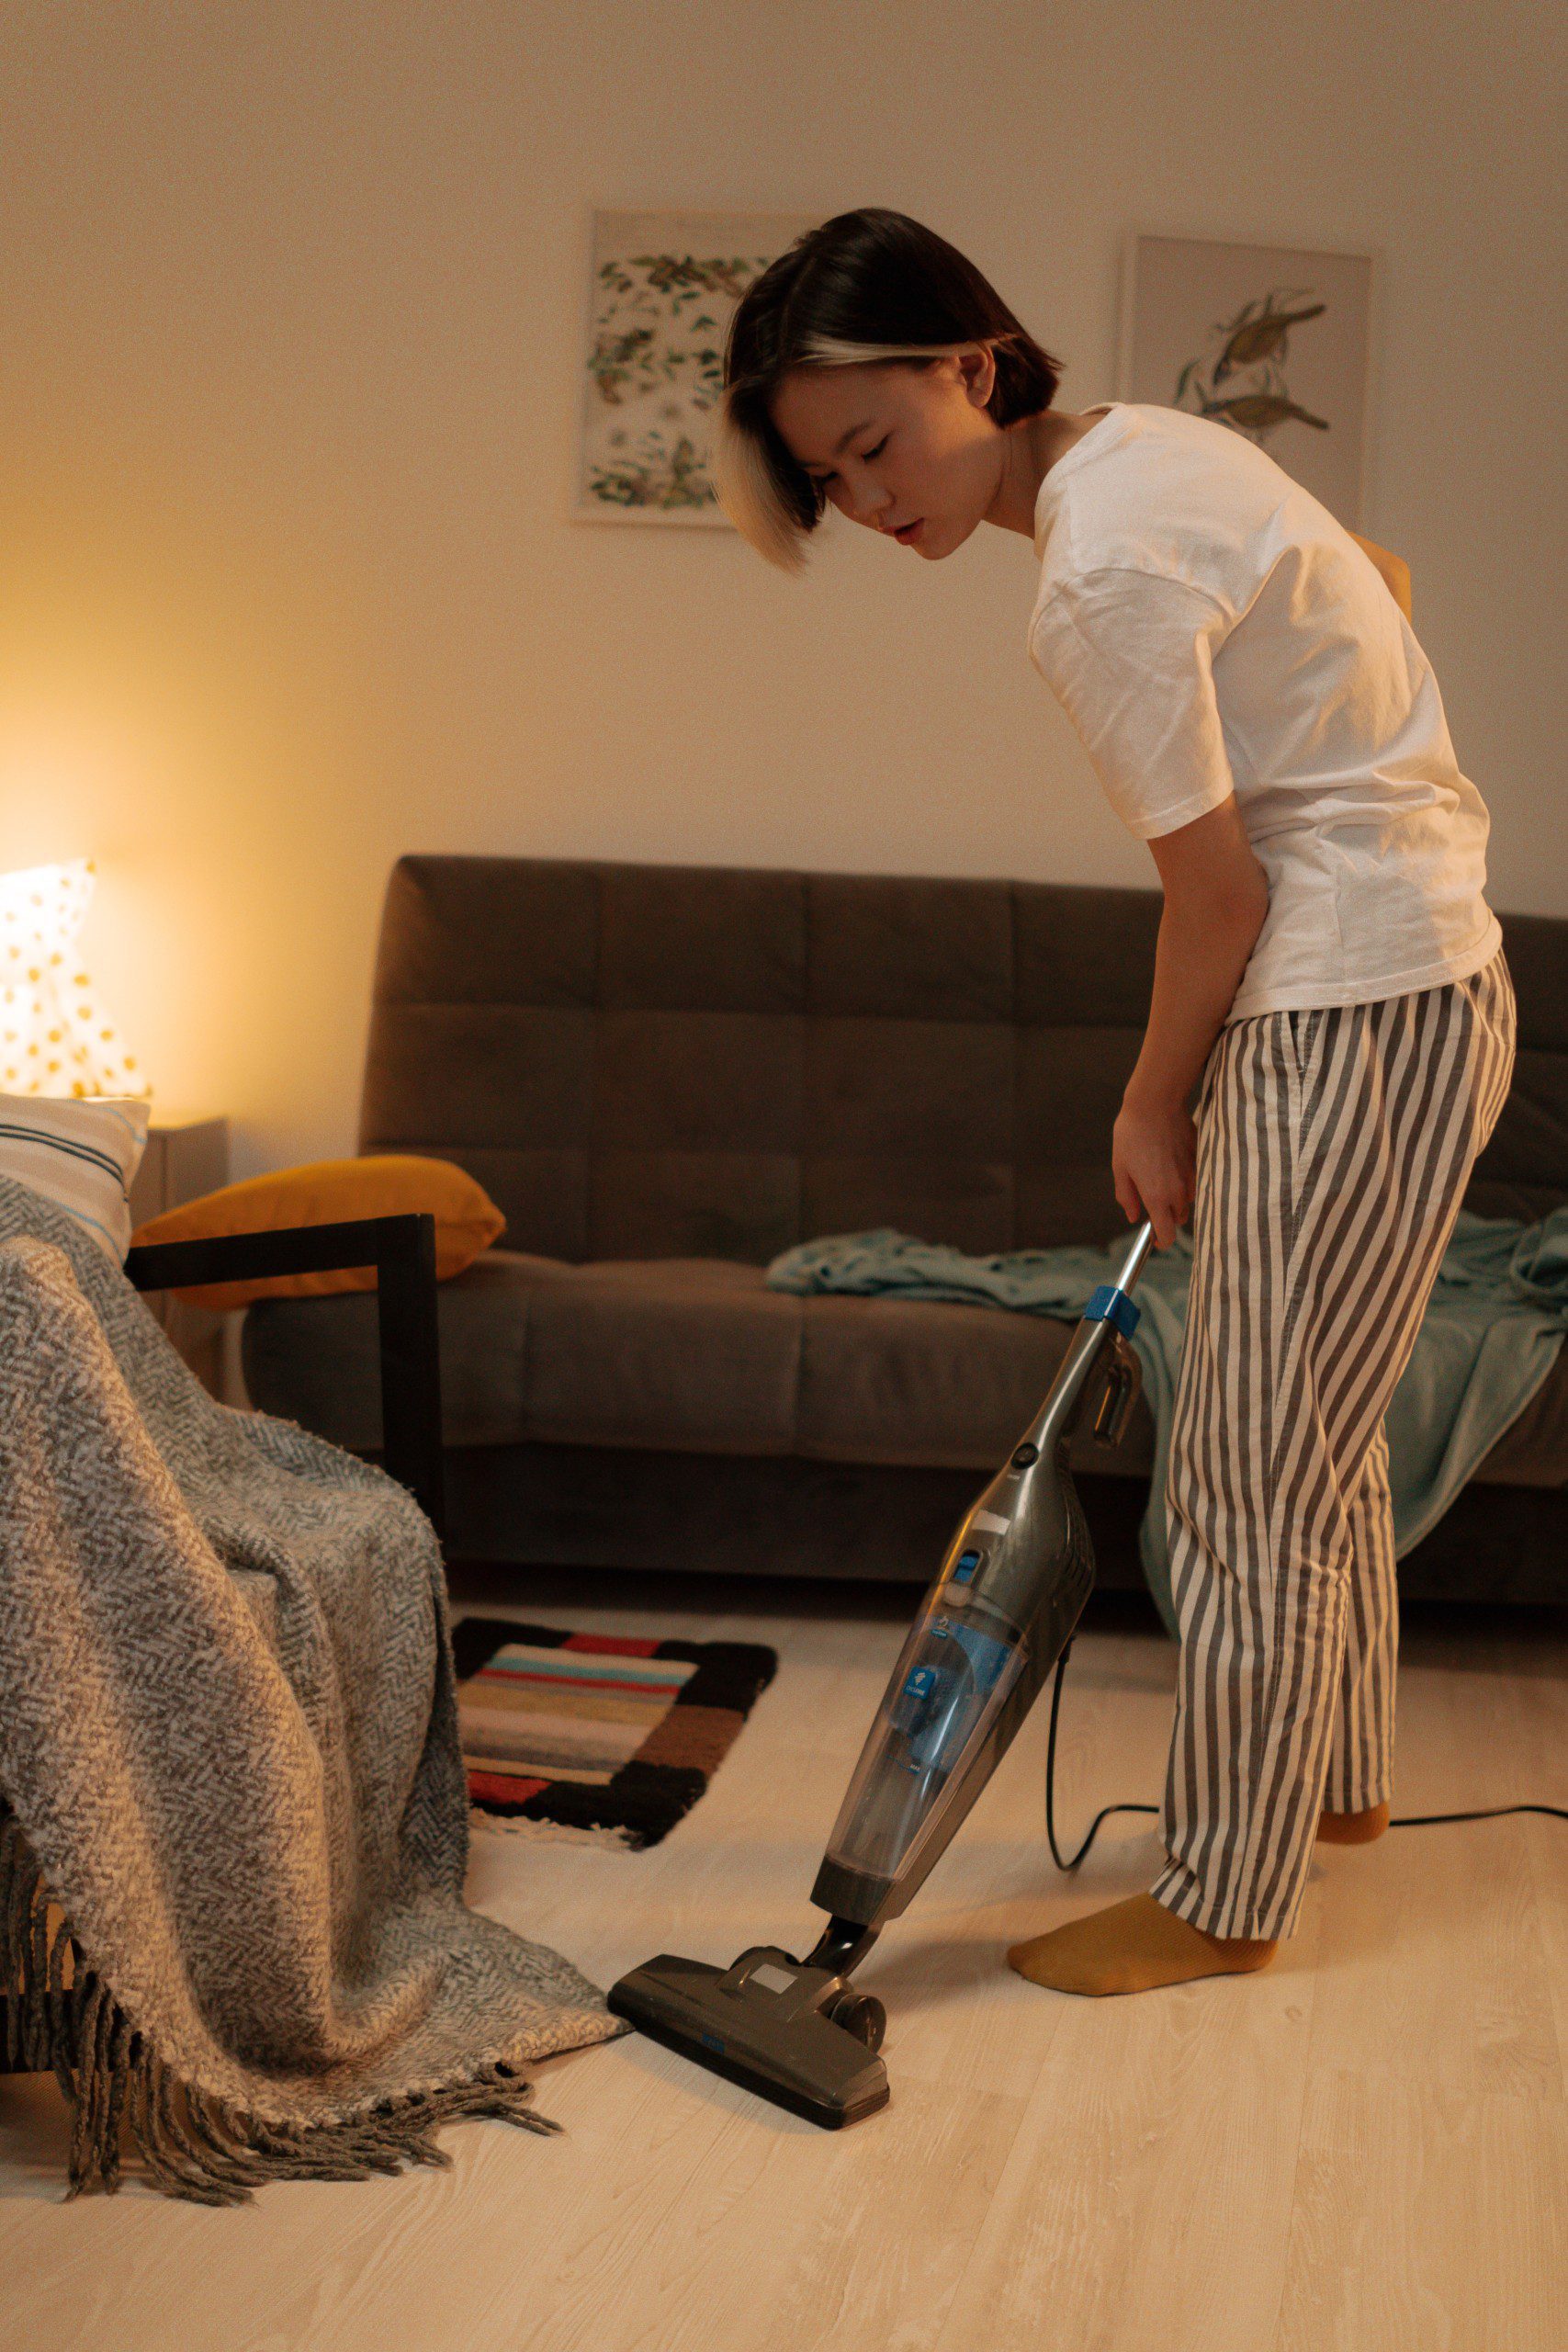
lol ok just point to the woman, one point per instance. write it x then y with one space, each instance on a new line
1259 711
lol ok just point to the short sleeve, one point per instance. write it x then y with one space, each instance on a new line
1128 655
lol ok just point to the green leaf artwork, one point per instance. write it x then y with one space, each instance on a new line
652 355
655 369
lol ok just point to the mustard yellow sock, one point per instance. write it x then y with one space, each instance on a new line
1352 1828
1133 1946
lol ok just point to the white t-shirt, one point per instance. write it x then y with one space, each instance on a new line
1209 628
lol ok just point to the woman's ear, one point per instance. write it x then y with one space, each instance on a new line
977 370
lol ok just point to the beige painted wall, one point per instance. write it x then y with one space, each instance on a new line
289 302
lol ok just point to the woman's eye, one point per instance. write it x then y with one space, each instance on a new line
865 456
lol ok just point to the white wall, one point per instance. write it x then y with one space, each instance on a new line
289 303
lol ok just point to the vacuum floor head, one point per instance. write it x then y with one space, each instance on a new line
800 2036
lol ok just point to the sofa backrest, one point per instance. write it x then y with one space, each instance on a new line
654 1061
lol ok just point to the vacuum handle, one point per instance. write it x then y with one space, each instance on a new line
1124 1379
1124 1373
1132 1264
1109 1314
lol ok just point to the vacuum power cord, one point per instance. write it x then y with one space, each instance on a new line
1399 1821
1105 1812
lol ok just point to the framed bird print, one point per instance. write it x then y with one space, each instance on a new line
662 287
1270 341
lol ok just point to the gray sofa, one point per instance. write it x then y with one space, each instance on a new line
664 1075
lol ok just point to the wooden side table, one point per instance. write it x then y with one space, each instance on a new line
187 1156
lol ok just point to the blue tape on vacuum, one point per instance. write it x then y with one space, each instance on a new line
1109 1305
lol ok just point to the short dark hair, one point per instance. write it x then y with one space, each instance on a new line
867 286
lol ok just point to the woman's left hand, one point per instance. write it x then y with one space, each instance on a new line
1154 1158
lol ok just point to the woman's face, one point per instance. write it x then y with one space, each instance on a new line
899 445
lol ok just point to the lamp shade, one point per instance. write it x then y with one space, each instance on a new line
55 1037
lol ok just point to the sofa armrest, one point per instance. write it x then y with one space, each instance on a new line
403 1250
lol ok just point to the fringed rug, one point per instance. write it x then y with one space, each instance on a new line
600 1738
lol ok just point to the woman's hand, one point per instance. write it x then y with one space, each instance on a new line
1154 1158
1216 900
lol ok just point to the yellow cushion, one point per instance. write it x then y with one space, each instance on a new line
1394 570
327 1191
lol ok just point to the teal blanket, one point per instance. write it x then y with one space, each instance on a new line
1490 1334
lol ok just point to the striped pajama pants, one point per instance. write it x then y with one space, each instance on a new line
1333 1151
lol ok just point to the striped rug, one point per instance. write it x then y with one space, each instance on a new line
598 1736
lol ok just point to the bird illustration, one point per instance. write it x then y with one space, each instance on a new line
1261 412
1249 349
1252 340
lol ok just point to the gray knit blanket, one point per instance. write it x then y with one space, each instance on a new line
234 1815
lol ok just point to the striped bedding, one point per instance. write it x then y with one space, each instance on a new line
81 1153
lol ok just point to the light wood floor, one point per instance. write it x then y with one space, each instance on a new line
1365 2146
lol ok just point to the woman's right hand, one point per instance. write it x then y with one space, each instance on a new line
1153 1160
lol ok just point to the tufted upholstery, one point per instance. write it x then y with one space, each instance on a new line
645 1061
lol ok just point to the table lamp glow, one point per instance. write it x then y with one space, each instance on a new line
55 1036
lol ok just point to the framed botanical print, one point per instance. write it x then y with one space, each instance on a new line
661 290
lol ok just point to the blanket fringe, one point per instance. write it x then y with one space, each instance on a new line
192 2145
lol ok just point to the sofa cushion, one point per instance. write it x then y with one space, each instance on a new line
644 1061
316 1360
693 1355
685 1355
698 1355
936 1382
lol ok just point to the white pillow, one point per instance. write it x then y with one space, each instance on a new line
80 1151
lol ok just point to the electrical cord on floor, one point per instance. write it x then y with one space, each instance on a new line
1400 1821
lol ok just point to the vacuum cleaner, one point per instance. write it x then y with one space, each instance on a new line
1013 1584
